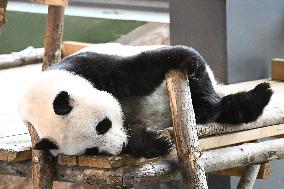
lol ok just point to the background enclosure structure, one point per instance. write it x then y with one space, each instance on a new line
238 38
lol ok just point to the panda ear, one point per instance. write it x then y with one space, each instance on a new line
45 144
61 103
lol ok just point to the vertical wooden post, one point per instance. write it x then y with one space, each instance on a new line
3 5
53 35
42 161
42 164
248 177
184 124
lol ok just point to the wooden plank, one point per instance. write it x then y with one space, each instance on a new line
240 137
27 56
248 177
103 162
70 47
186 140
264 171
43 164
62 3
162 170
277 69
53 36
3 19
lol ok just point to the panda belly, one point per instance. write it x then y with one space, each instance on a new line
152 110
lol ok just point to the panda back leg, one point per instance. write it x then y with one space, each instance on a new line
244 107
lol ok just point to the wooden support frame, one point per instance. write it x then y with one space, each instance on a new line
184 124
3 19
61 3
163 169
53 36
248 177
277 69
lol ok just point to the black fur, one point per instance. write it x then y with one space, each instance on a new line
140 74
147 143
136 75
245 107
103 126
46 144
61 103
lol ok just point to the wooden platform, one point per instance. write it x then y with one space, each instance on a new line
15 141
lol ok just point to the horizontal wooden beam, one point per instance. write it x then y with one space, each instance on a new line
264 171
70 47
62 3
240 137
277 69
163 169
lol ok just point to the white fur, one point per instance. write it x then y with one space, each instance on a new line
75 131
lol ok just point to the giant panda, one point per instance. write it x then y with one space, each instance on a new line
111 99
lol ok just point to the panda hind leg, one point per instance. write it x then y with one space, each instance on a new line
244 107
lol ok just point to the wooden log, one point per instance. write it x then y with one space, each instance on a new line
184 125
236 137
163 170
43 164
3 19
264 171
53 36
248 177
62 3
27 56
70 47
277 69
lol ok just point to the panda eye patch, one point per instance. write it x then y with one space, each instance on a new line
103 126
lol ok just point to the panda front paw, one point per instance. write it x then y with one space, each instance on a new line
193 62
148 144
162 146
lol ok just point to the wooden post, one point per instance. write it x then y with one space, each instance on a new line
3 5
248 177
42 164
53 35
184 124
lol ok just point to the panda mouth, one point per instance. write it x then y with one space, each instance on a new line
95 152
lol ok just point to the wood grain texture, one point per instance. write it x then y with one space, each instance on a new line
248 177
264 171
159 170
27 56
240 137
43 164
3 19
62 3
53 36
186 140
277 69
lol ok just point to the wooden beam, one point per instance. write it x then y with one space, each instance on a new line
164 169
53 36
3 19
264 171
70 47
62 3
277 69
240 137
186 139
43 164
248 177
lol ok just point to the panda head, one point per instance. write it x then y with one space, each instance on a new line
71 116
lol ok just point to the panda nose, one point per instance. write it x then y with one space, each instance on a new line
103 126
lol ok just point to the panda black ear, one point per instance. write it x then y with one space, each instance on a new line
45 144
61 103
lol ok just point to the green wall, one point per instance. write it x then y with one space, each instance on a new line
27 29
